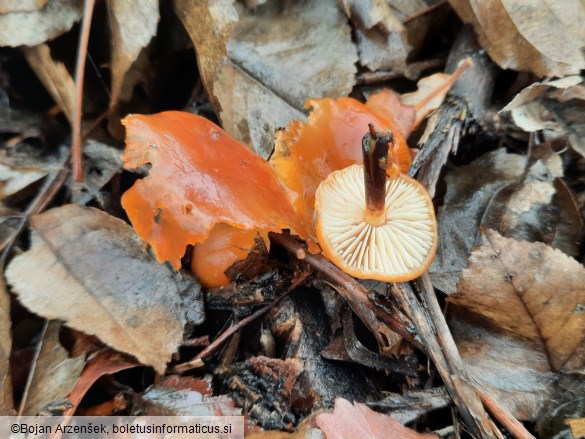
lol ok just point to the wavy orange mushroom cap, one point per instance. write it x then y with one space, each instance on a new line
200 177
306 153
224 246
374 227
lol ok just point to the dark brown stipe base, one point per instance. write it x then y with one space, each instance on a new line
375 148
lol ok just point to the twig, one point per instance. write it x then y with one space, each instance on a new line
209 350
76 153
473 91
504 417
31 372
468 62
356 295
467 402
413 70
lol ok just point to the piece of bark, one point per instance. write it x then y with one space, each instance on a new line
295 323
464 106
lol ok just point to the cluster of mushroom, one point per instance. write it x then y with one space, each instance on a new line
208 190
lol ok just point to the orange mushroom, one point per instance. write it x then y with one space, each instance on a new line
200 177
224 246
374 222
306 153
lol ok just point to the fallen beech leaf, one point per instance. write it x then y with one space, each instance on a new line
431 92
190 383
259 67
380 34
6 401
543 37
54 374
531 291
105 363
182 397
357 421
577 427
22 168
54 76
91 271
470 189
32 27
306 153
529 300
552 105
539 207
200 177
100 163
132 27
513 369
21 5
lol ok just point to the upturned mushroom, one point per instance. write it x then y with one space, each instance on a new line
374 222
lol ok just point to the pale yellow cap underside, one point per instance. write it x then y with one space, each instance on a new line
400 249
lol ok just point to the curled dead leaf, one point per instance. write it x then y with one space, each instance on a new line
132 25
556 106
542 37
381 37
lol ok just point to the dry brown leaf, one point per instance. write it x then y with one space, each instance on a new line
22 167
105 363
539 207
523 320
514 370
422 20
577 427
101 162
381 37
540 36
357 421
33 27
469 191
530 290
9 221
6 402
552 105
54 375
7 6
259 67
132 24
54 76
181 397
90 270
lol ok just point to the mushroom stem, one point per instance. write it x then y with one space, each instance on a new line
375 147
